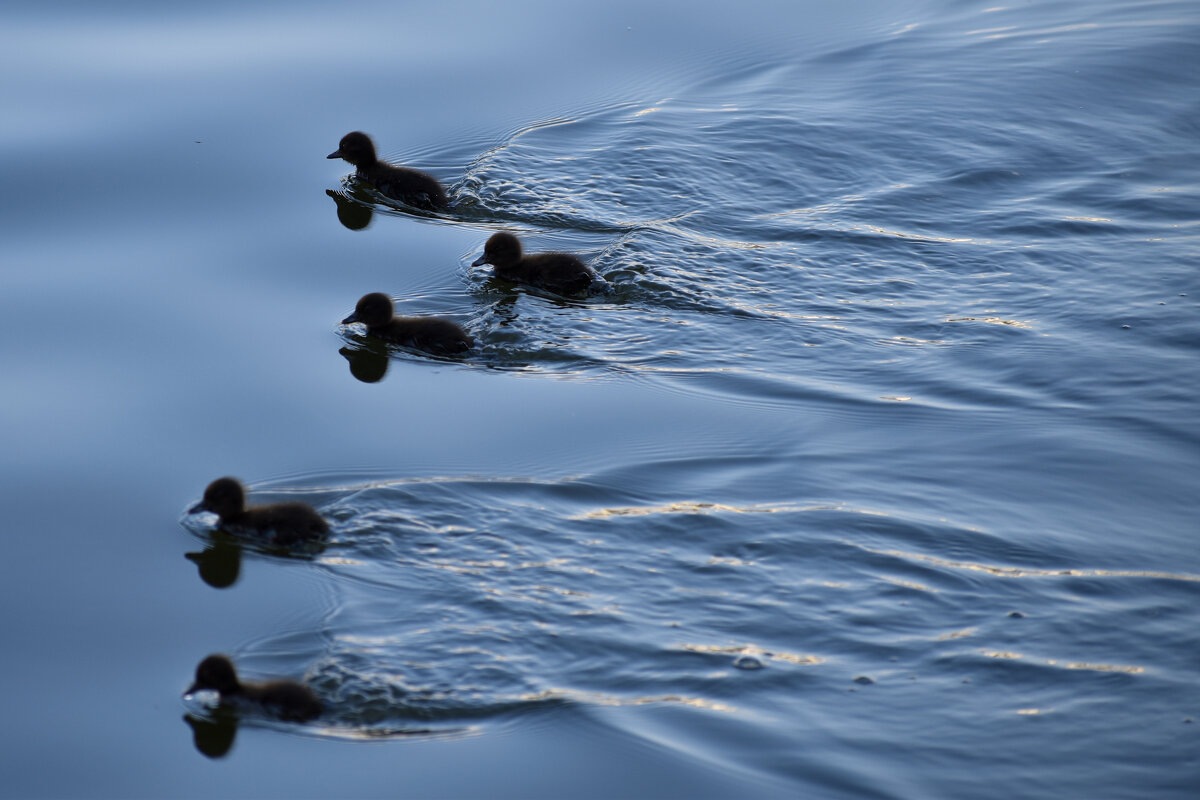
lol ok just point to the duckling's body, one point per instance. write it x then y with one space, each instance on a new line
286 699
561 273
399 183
431 334
283 524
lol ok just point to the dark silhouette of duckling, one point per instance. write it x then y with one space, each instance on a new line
213 737
431 334
368 363
286 699
353 216
561 273
399 183
220 563
283 523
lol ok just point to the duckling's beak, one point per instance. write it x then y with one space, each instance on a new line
196 509
481 260
336 154
352 318
195 687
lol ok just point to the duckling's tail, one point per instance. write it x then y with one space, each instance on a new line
599 286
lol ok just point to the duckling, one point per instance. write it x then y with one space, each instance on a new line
282 523
562 273
283 698
431 334
399 183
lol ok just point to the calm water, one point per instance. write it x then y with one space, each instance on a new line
875 475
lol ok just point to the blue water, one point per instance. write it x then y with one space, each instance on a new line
874 475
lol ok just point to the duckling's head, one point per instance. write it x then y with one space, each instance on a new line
501 250
373 310
224 497
216 672
355 147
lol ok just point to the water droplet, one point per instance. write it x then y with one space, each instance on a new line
864 680
747 662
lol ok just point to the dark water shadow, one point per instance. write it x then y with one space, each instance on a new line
368 360
215 733
220 563
353 215
213 736
368 357
359 202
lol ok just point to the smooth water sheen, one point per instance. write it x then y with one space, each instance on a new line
874 475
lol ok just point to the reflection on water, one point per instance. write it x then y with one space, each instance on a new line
220 563
213 735
214 732
353 215
368 359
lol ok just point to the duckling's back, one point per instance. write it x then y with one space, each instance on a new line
558 272
406 185
431 334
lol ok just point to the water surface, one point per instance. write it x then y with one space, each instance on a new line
874 476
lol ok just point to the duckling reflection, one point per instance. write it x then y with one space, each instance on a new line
561 273
213 737
505 310
368 361
351 214
432 335
399 183
220 563
286 525
283 698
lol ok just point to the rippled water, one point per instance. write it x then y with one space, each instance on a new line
873 475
